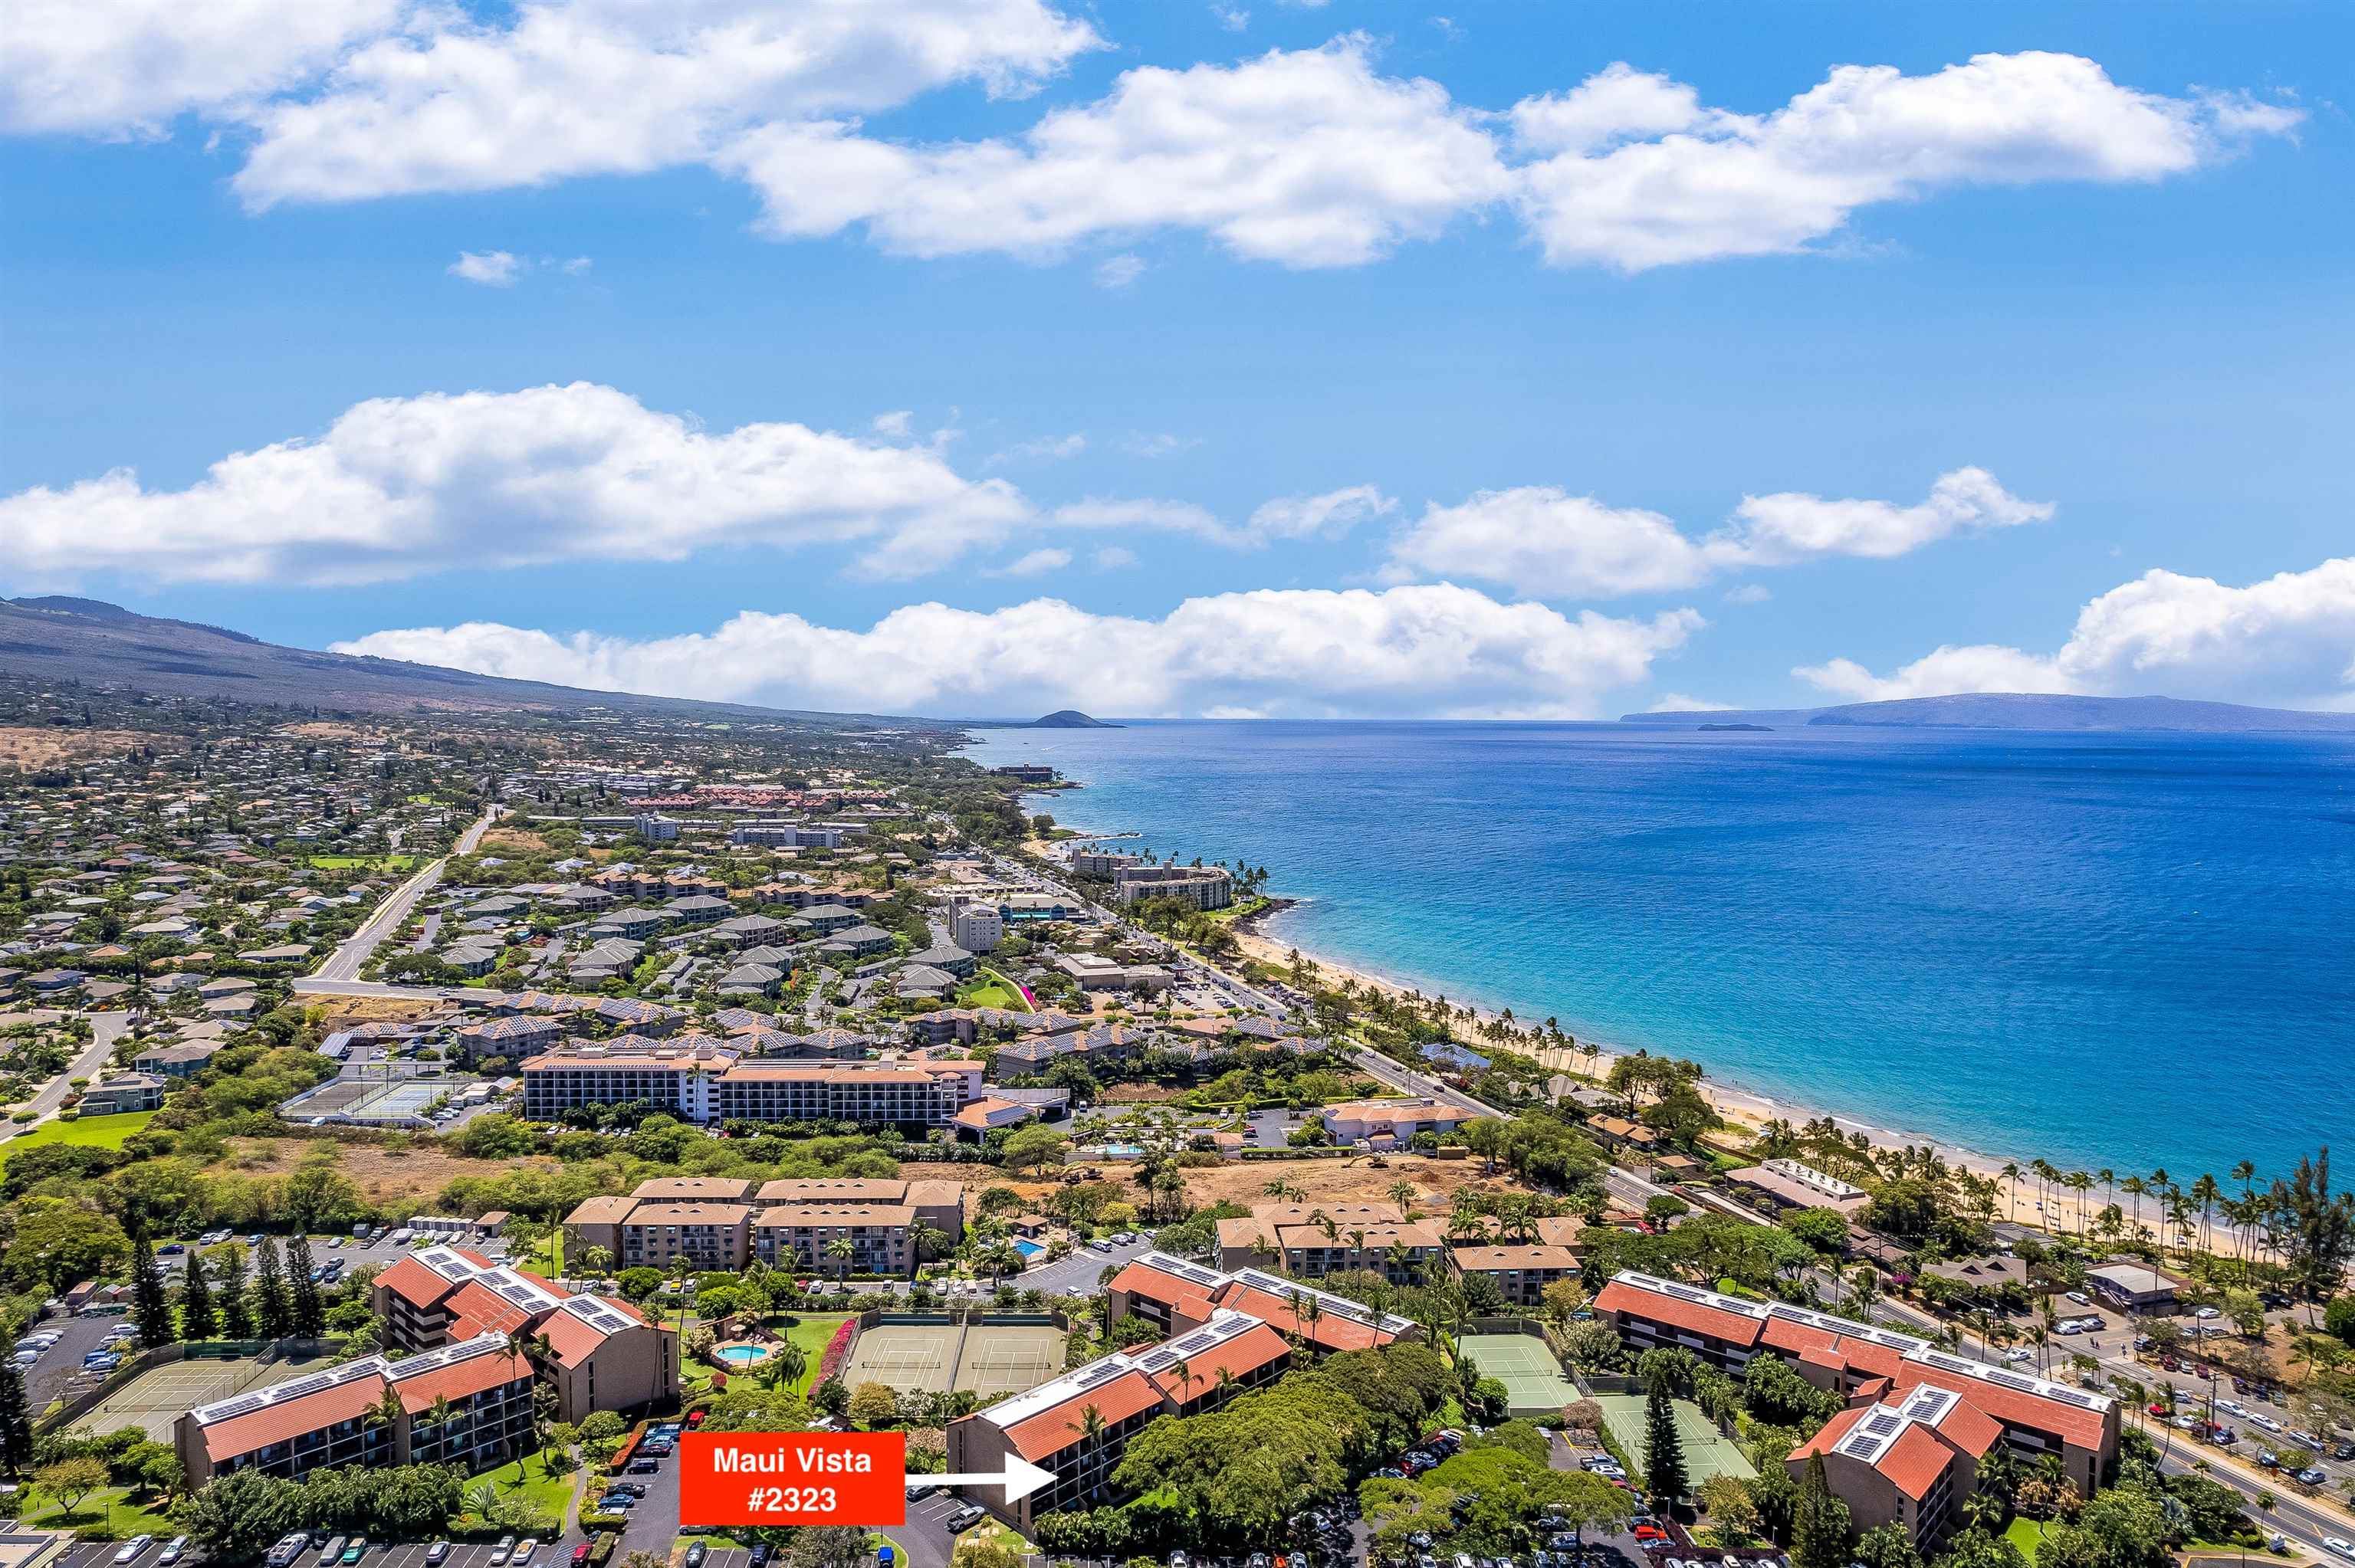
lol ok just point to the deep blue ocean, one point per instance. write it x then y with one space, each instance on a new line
2121 951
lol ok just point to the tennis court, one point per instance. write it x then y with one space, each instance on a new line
159 1396
906 1356
1707 1451
1006 1358
1533 1380
934 1355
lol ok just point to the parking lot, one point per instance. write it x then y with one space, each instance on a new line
405 1555
1080 1270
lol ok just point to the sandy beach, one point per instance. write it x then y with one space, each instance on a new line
2053 1208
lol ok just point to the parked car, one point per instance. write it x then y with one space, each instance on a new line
438 1553
523 1553
175 1549
503 1551
965 1518
332 1551
580 1555
354 1551
696 1553
130 1549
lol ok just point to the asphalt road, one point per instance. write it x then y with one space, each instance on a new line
105 1028
344 963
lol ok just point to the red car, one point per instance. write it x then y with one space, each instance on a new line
695 1417
580 1555
1650 1532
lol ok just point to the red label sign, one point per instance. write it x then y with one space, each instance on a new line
792 1477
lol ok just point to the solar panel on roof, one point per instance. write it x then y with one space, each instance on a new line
1862 1445
298 1389
2008 1380
1884 1425
1159 1360
244 1404
1095 1375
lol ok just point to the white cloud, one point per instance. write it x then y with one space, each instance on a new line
1980 667
1228 710
1046 449
400 486
1436 649
1037 563
2287 641
1309 159
1541 539
578 265
1749 593
1119 271
1113 557
1776 530
571 88
896 425
497 268
1678 702
1645 177
1233 18
1326 516
1158 444
128 68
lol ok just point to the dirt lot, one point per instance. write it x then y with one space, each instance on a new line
514 841
395 1178
321 729
1341 1181
25 747
342 1012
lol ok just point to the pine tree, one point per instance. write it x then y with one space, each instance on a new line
310 1319
199 1318
151 1310
1821 1525
236 1307
273 1312
15 1421
1663 1450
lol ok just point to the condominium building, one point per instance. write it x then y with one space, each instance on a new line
1103 863
1227 1333
702 1080
1391 1123
603 1353
723 1225
1861 1361
468 1404
1197 886
976 927
1315 1240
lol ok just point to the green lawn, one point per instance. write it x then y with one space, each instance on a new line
84 1132
990 993
553 1493
2026 1534
122 1516
813 1334
362 862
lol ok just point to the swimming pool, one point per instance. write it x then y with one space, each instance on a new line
740 1355
1028 1248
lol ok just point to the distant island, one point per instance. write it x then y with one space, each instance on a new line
2017 711
1715 728
1070 718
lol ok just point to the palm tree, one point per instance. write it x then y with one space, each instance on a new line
2010 1174
2135 1187
1185 1376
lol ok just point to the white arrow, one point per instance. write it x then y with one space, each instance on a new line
1020 1479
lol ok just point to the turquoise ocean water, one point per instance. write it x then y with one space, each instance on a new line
2130 951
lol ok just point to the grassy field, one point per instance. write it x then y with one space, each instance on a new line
2026 1534
813 1334
112 1505
85 1132
364 863
553 1493
990 993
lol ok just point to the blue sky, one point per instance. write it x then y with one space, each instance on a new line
1317 256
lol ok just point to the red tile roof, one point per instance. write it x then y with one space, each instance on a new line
1054 1430
283 1422
1915 1461
1331 1331
2081 1428
460 1380
486 1307
1238 1358
1694 1317
414 1283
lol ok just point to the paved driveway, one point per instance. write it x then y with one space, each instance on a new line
1080 1269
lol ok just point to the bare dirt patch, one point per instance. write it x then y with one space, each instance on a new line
324 729
1436 1181
342 1012
388 1177
1139 1094
25 747
514 840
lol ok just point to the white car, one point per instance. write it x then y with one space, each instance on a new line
2341 1545
175 1549
2018 1353
2205 1313
130 1549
